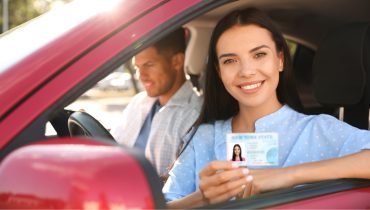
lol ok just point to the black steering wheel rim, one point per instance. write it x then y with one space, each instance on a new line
83 124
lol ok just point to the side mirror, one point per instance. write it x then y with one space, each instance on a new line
78 174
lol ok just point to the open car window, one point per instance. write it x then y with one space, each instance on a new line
105 101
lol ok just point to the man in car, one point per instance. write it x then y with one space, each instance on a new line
157 120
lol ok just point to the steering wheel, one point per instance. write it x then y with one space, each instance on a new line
83 124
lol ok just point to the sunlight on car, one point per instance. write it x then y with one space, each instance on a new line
94 6
79 10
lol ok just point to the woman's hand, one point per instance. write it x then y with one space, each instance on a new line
222 180
267 180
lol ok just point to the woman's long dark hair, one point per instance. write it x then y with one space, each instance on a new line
240 154
218 103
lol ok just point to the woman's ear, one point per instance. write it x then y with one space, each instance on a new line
177 61
281 61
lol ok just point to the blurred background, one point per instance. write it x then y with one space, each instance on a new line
16 12
107 99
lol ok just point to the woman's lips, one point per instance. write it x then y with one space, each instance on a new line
251 87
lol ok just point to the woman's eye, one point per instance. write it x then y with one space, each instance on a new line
259 55
229 61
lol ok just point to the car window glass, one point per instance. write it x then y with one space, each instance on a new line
106 100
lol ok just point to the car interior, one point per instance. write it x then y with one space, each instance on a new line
349 88
304 24
330 48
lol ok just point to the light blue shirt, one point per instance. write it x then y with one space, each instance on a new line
302 138
168 127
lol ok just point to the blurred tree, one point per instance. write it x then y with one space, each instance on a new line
21 11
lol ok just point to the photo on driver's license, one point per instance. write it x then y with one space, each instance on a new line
253 149
236 150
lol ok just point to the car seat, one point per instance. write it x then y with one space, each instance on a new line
341 72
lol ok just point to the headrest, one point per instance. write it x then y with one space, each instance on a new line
197 48
341 68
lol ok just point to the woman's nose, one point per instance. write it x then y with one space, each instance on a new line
247 69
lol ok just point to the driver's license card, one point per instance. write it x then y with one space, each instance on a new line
253 149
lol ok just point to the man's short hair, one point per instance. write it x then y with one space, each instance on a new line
172 43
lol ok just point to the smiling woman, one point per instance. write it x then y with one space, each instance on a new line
248 69
249 63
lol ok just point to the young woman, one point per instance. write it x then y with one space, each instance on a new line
237 153
249 90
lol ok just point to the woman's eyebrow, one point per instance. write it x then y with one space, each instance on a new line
259 47
226 55
250 51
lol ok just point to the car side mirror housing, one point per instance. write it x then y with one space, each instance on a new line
78 174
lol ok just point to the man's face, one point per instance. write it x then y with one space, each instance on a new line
156 72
